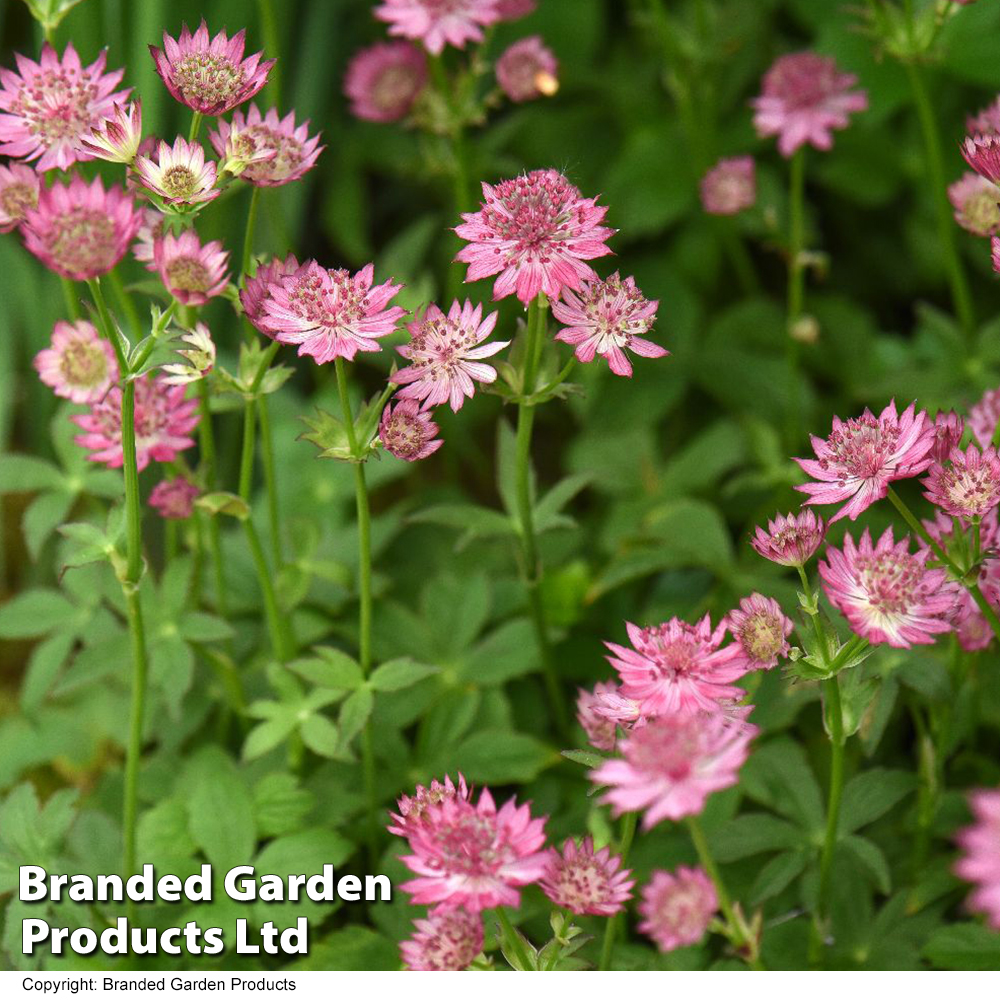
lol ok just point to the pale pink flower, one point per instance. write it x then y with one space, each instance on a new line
535 231
995 253
198 357
982 153
50 105
600 729
987 121
790 539
413 807
474 856
79 365
984 417
408 432
438 23
384 80
761 630
980 863
150 232
608 318
18 194
948 430
886 593
586 881
967 485
192 272
864 454
677 908
117 137
210 76
164 420
513 10
670 766
179 174
445 355
803 98
79 230
527 70
173 499
977 204
446 940
332 314
257 290
730 187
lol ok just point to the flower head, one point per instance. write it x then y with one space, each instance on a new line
790 539
967 485
803 98
980 862
79 365
117 137
173 499
149 233
608 318
514 10
50 105
438 23
210 76
413 808
535 231
984 417
600 712
982 153
273 149
586 882
987 122
948 430
18 194
446 940
193 273
863 455
257 290
677 908
977 204
761 630
179 174
408 432
445 355
730 186
199 357
384 80
528 69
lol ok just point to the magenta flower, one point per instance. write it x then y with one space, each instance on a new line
982 153
164 420
209 76
79 230
977 204
412 808
257 290
514 10
967 485
408 432
535 231
600 712
18 194
948 430
446 940
117 137
987 121
803 98
584 881
677 908
179 174
863 455
790 539
761 630
438 23
730 187
384 80
608 318
49 106
173 499
984 417
79 365
980 863
445 355
193 273
474 856
527 70
670 766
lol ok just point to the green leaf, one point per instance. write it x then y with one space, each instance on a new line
471 519
25 474
456 609
321 736
47 659
223 503
352 949
507 652
46 513
872 793
33 613
588 758
964 946
776 875
396 675
270 733
547 510
778 776
221 810
354 714
500 756
196 626
162 835
280 804
330 669
872 860
753 833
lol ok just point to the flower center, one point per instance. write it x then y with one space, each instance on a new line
971 490
982 211
83 240
83 365
405 434
210 79
469 846
179 181
16 199
668 753
287 154
891 581
762 637
581 883
395 87
532 213
56 104
188 274
861 448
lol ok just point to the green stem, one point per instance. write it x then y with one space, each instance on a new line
125 303
746 273
70 297
611 927
269 31
270 479
796 284
107 325
133 752
206 438
195 126
248 235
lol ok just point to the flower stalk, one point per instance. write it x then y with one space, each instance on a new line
629 821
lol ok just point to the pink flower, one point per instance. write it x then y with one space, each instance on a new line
790 539
408 432
79 230
601 711
445 355
586 882
174 498
439 22
18 194
670 766
275 150
967 485
474 856
995 253
982 153
164 420
608 318
384 80
980 863
863 455
987 121
413 807
150 231
761 630
948 430
117 137
984 417
535 231
513 10
257 290
528 69
446 940
332 314
79 365
977 204
193 273
677 908
179 174
886 593
49 106
209 76
730 186
804 97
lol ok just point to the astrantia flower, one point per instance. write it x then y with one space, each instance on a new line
332 314
535 231
384 80
210 76
118 136
79 365
863 455
149 233
164 420
984 417
600 729
257 290
790 539
438 22
608 318
586 882
730 186
527 70
275 150
173 499
995 253
761 630
513 10
18 194
977 204
412 808
445 355
677 907
886 593
948 430
408 432
80 230
803 98
982 153
474 856
191 272
179 174
980 863
967 485
52 104
446 940
199 357
986 122
671 765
